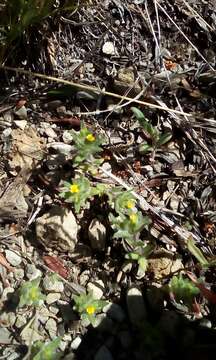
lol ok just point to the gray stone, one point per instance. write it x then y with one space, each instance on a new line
20 321
97 289
103 354
32 272
50 133
136 306
13 258
57 229
29 336
19 274
51 327
5 336
97 235
67 137
53 285
62 148
8 319
21 113
114 311
52 297
76 343
109 48
21 124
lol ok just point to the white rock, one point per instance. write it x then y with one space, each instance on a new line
97 235
136 306
62 148
57 229
21 124
21 113
67 137
52 297
20 321
97 289
29 336
76 343
50 133
51 327
5 336
50 285
19 274
13 258
108 48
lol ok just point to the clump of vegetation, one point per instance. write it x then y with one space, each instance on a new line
19 17
155 138
46 351
183 290
30 293
88 307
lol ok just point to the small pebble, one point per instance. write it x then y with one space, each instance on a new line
108 48
52 297
50 285
32 272
51 327
97 289
13 258
76 343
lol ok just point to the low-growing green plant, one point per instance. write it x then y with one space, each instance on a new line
183 290
140 254
80 191
128 226
19 16
86 145
88 307
30 293
122 201
46 351
156 138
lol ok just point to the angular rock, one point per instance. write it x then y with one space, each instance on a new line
57 229
50 285
13 258
136 306
97 289
97 235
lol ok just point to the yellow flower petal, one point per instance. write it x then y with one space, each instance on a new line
90 138
130 204
74 188
133 218
90 310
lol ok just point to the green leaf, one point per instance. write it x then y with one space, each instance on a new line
196 252
164 138
47 351
138 113
183 289
143 263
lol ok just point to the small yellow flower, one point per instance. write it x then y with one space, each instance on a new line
133 218
90 138
130 204
90 310
74 188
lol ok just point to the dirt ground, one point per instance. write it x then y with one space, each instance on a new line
111 56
